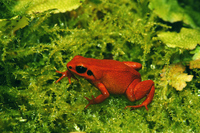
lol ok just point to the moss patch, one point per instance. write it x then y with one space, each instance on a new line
30 101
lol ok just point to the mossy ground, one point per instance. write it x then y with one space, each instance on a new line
30 101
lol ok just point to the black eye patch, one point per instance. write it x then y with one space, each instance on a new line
81 69
89 72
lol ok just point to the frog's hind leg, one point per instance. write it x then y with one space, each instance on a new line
140 90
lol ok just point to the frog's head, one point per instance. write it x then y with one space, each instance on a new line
82 67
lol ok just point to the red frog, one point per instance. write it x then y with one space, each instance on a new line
111 77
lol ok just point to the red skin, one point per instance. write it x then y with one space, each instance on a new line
111 77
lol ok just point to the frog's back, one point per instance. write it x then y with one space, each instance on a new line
115 75
106 64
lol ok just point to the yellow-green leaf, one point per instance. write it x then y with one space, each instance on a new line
34 6
15 22
187 38
21 24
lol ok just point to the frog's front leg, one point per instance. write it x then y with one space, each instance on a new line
104 94
138 90
66 74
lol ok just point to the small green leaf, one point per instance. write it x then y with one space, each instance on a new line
195 63
196 53
15 22
187 38
21 24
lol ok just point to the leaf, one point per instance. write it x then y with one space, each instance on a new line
196 53
175 77
195 64
187 38
34 6
171 11
15 22
21 24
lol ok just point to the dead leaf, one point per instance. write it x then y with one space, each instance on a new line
175 77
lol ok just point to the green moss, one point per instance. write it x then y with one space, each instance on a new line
30 101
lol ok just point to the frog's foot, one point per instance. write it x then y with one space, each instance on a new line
91 101
104 94
66 74
137 106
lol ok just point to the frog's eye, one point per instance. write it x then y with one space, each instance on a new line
81 69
